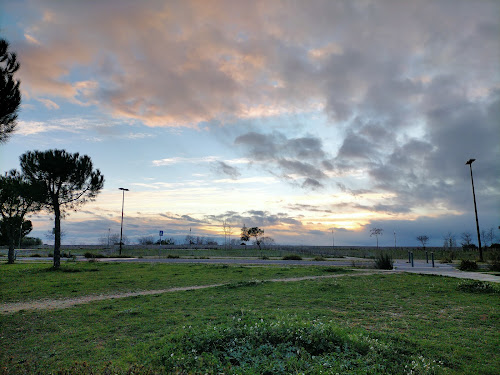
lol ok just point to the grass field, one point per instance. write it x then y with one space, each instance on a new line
367 324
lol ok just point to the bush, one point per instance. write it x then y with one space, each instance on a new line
36 256
171 256
476 287
292 257
468 265
494 258
384 262
319 258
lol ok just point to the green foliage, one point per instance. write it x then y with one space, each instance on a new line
10 94
468 265
292 257
17 199
319 258
384 262
476 287
255 232
65 181
31 241
494 258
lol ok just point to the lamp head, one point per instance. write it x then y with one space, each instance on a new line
470 161
123 189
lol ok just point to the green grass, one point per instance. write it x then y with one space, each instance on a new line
374 324
23 282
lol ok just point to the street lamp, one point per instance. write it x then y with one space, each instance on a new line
121 227
469 162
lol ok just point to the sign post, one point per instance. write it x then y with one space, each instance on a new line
161 235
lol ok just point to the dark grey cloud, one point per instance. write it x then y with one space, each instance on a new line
302 156
254 218
221 167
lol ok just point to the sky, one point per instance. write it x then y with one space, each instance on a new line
313 120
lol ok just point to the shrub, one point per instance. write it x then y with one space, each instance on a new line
467 265
264 257
476 287
172 256
384 262
36 256
319 258
494 258
292 257
494 265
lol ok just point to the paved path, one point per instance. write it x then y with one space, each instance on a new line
443 269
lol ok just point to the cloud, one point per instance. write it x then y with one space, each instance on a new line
49 104
404 98
178 64
179 159
292 159
222 168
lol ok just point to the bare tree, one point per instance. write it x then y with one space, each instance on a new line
449 241
267 242
488 236
228 230
466 239
423 240
376 232
146 240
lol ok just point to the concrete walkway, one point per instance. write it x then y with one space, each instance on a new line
443 269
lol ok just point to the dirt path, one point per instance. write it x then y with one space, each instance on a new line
54 304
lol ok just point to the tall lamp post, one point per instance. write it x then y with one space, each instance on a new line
469 162
121 227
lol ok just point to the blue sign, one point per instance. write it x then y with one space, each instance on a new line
161 233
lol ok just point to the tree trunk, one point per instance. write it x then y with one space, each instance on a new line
11 234
57 238
10 259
